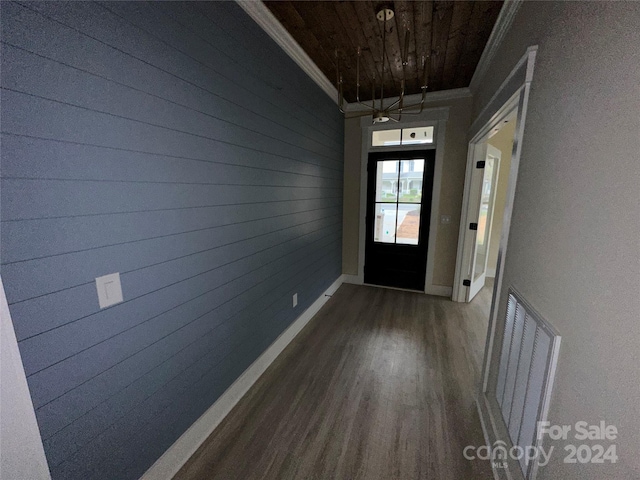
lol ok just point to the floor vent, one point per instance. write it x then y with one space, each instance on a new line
525 377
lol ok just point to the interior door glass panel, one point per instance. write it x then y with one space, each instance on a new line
410 181
384 228
408 230
398 197
484 219
387 181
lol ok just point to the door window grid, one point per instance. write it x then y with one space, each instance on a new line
398 200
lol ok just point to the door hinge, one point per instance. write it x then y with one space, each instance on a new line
466 283
473 226
480 164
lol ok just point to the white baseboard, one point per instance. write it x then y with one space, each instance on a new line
491 436
491 272
488 432
440 290
177 455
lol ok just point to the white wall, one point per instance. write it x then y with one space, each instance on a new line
574 243
21 453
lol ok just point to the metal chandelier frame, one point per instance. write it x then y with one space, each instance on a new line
380 113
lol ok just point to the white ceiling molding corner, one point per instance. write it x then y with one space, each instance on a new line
503 23
270 24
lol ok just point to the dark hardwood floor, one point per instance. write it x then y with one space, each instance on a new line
379 385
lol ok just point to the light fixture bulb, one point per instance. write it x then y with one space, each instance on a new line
380 118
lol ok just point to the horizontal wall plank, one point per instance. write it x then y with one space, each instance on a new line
59 198
40 238
82 26
71 122
176 144
40 277
29 157
152 291
154 22
208 377
259 51
78 407
97 93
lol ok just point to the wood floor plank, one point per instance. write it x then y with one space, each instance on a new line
379 385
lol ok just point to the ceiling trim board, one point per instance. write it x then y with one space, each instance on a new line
502 25
437 96
270 24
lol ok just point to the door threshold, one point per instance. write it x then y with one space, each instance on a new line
393 288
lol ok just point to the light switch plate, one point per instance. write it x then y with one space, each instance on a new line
109 290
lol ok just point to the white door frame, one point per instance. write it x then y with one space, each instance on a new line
487 151
477 151
512 95
436 117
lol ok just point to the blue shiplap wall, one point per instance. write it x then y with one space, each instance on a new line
174 143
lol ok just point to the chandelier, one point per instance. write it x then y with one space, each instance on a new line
376 108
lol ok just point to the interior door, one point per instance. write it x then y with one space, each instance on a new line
398 215
485 206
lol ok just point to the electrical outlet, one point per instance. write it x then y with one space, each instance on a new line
445 219
295 300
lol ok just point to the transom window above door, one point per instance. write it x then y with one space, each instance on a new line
402 136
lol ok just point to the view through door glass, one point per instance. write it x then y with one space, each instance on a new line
484 218
398 201
397 218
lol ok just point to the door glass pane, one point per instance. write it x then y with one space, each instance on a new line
411 173
384 228
484 218
408 224
415 136
385 138
387 181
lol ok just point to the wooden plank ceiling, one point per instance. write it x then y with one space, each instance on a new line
451 35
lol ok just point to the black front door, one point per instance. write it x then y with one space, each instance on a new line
398 214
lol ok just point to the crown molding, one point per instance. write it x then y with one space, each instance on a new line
270 24
258 11
430 97
503 23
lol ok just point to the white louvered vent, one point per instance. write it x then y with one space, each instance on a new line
525 376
